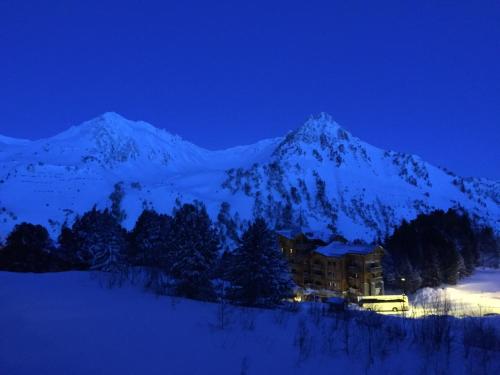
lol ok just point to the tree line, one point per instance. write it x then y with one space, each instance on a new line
436 248
176 254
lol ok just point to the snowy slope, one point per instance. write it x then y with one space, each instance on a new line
319 176
478 294
64 323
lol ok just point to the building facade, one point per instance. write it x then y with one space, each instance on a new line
335 268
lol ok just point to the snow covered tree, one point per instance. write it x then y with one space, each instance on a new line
195 245
98 240
259 274
68 251
150 247
149 241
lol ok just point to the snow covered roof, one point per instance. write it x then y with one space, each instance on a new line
311 234
339 248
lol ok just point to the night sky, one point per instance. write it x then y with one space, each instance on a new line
412 76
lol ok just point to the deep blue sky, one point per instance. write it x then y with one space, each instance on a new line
414 76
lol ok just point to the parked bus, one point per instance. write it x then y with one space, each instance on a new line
385 303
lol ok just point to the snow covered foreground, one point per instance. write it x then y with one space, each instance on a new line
65 323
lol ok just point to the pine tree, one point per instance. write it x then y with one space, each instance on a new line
150 247
195 245
390 276
462 271
450 264
68 251
441 246
431 272
408 278
98 240
488 247
259 273
149 241
227 226
28 249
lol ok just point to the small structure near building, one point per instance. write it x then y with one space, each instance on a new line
335 268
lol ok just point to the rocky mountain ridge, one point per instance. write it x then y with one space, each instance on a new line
318 176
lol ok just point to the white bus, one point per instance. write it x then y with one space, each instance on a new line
394 303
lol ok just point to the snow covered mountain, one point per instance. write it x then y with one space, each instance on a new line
318 176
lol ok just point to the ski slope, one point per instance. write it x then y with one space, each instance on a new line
476 295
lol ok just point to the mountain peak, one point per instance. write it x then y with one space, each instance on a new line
114 125
318 129
322 119
115 121
111 118
321 125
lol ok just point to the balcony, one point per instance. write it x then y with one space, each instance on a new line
353 269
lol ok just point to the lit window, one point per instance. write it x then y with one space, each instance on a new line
291 251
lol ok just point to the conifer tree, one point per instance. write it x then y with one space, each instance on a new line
28 249
68 251
98 240
431 271
227 226
450 264
441 246
149 241
488 247
259 273
409 279
150 248
195 245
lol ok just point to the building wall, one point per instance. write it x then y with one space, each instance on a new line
349 275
